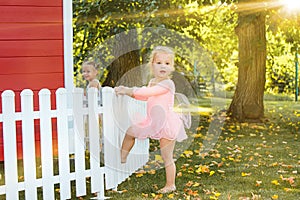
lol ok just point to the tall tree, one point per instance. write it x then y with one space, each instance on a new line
247 103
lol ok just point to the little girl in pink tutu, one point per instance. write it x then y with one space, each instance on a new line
161 123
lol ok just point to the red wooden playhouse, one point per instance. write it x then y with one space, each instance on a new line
35 51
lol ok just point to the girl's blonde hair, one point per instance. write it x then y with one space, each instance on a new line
162 49
90 62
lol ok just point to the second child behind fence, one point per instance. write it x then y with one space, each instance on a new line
90 72
161 122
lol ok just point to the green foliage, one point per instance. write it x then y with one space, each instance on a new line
209 23
96 20
280 64
283 37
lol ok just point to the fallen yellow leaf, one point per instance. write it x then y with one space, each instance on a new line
217 194
145 195
188 153
158 158
196 184
139 175
245 174
287 189
152 171
203 169
275 182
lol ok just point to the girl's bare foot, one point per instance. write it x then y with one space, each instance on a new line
167 189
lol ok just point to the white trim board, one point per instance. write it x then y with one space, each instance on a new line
68 44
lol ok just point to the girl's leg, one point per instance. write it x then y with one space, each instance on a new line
127 145
167 148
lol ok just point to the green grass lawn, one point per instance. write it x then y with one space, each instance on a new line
249 161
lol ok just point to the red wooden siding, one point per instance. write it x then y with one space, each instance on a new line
31 48
24 81
30 65
57 3
31 52
46 31
31 45
30 14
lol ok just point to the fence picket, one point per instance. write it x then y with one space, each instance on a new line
63 143
10 145
28 142
79 141
94 142
46 144
108 130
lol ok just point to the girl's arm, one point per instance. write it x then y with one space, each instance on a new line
94 84
122 90
146 92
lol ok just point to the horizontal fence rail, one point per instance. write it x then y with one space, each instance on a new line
67 135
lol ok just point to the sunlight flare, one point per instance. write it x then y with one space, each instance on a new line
291 4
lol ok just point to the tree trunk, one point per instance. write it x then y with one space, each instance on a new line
247 103
126 57
119 67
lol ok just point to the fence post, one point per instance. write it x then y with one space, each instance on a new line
10 145
108 135
63 143
97 178
79 141
28 142
46 144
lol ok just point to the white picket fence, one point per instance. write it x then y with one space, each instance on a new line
71 131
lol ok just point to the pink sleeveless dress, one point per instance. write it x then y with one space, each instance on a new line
161 121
